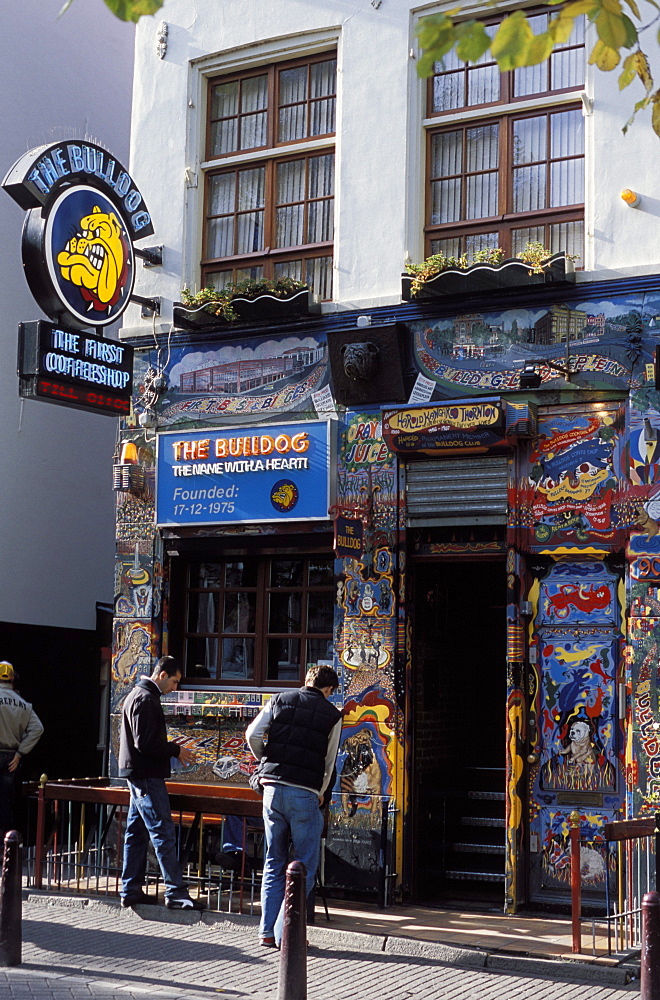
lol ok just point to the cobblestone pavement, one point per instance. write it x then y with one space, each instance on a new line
75 948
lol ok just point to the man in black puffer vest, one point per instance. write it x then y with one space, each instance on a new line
296 764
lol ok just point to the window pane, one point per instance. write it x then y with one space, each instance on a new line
224 100
529 188
483 85
567 69
449 91
251 189
293 85
482 149
320 609
203 612
450 248
237 659
286 573
446 201
568 236
201 657
241 574
320 221
481 196
530 80
221 193
253 130
239 612
292 124
283 663
529 140
254 93
289 269
318 649
567 134
321 175
284 613
220 237
290 181
206 575
320 573
323 75
521 237
224 137
480 241
250 233
446 154
318 275
290 223
322 117
567 182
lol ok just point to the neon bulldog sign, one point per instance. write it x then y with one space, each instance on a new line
84 214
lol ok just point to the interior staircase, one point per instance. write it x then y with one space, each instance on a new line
475 831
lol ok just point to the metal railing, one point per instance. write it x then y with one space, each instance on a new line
76 829
75 837
637 845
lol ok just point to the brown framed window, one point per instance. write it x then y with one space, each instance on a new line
257 620
456 85
510 176
273 216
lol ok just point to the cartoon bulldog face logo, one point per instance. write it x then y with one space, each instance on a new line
284 495
95 259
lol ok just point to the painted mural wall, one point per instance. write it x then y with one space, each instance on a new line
585 483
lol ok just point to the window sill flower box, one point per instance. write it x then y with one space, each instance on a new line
484 277
203 312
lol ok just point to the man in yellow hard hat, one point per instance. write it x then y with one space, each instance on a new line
20 731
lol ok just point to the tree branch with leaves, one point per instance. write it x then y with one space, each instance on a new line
126 10
619 27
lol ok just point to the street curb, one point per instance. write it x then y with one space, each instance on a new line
360 943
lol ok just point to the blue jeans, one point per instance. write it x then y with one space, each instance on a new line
290 815
149 818
232 832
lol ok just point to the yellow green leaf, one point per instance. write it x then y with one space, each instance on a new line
560 28
604 57
628 72
539 49
655 113
642 68
473 41
634 8
511 42
133 10
615 30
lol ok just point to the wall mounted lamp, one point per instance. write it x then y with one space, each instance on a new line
127 475
630 197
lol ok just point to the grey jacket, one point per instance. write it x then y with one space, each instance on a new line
20 727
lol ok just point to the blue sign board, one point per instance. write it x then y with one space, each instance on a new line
273 472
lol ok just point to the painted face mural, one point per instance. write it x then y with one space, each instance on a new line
95 259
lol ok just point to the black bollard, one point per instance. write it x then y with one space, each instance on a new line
650 971
11 904
292 983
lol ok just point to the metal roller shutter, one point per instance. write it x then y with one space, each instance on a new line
457 491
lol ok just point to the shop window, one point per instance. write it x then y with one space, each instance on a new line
258 620
507 176
273 215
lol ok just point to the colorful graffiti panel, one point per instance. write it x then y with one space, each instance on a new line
207 381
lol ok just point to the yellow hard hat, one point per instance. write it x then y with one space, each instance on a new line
6 671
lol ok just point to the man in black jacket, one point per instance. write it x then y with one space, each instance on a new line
296 765
144 760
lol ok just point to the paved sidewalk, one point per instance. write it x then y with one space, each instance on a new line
76 948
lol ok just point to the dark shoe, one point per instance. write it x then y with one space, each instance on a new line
231 861
139 899
184 903
268 942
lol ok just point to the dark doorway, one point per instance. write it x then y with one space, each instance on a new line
459 731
